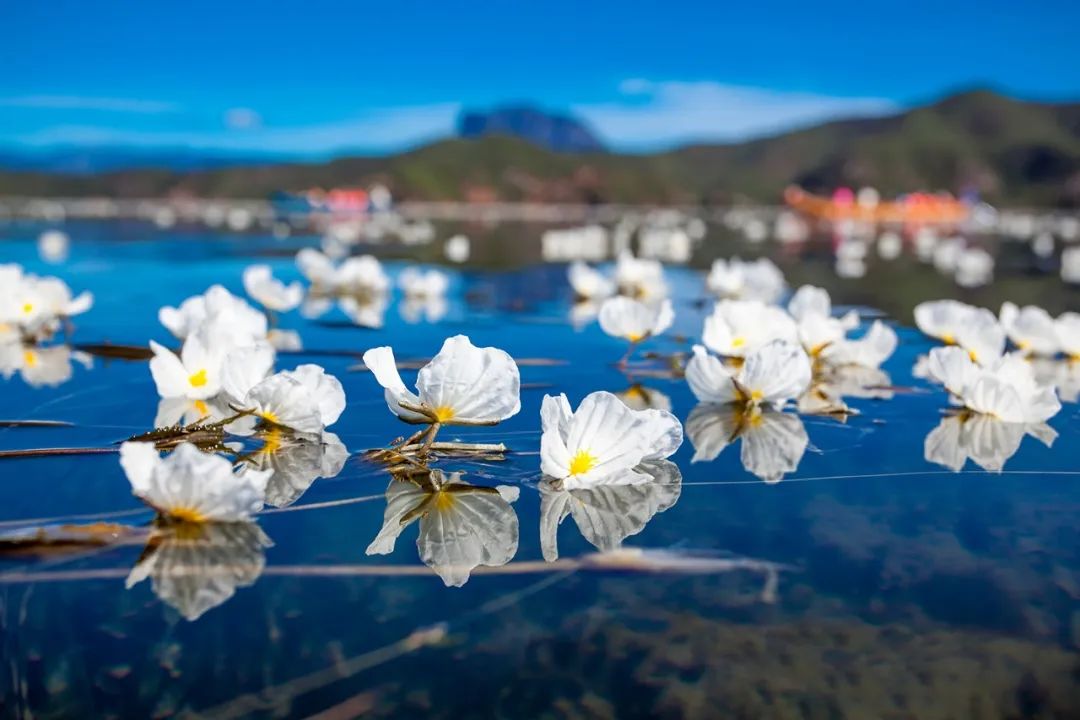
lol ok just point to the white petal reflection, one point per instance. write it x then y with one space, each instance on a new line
607 514
195 568
429 309
297 461
462 526
983 439
639 397
40 366
773 443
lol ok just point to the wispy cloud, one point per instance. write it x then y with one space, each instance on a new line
658 114
379 130
101 104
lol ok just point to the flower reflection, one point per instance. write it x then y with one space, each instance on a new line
183 411
607 514
639 397
984 439
462 526
196 567
831 385
40 366
423 308
363 309
296 461
773 442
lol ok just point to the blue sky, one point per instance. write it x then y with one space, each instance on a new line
318 77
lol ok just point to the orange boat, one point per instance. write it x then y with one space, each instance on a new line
913 209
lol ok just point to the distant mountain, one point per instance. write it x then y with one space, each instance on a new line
553 132
1013 152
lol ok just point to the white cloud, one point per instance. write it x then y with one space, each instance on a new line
662 114
382 130
103 104
241 118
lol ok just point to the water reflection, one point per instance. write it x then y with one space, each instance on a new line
773 442
606 515
984 439
194 568
297 460
365 309
41 366
639 397
462 526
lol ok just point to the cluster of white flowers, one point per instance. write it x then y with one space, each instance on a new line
360 288
33 308
736 279
1053 343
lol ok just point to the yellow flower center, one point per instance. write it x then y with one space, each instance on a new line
197 379
1023 344
973 355
948 339
635 337
28 308
444 413
29 358
269 417
738 342
583 462
444 501
187 514
756 395
202 408
271 442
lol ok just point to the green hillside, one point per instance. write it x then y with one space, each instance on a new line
1014 152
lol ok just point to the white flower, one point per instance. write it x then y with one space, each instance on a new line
1070 265
1030 328
607 514
416 283
771 375
773 443
811 308
457 249
603 441
974 268
363 274
462 385
643 279
974 329
194 374
1006 390
270 292
192 486
218 316
634 320
870 351
462 526
34 306
756 280
738 327
53 246
1067 330
195 568
589 283
306 399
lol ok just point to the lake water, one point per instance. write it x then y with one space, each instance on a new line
867 583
